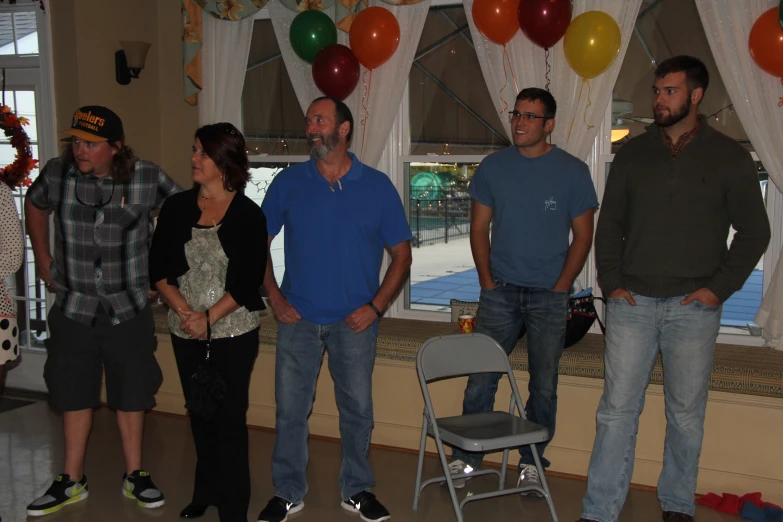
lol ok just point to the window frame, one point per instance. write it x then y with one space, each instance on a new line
397 153
28 375
41 65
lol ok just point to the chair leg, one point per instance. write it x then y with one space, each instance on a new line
445 465
544 484
503 469
420 467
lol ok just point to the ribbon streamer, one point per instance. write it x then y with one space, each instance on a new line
367 86
505 76
507 56
578 101
780 102
548 67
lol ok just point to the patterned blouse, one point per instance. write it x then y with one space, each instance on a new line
204 285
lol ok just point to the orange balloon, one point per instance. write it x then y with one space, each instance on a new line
374 36
497 19
766 43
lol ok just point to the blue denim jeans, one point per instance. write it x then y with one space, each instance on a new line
502 313
300 348
685 336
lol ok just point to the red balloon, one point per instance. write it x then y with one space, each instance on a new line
766 43
336 71
496 19
375 35
544 22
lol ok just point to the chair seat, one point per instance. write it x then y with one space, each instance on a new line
491 431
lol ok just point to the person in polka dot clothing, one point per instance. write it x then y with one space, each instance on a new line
11 255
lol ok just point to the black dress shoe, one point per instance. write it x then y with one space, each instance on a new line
193 511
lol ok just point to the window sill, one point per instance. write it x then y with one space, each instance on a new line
726 335
736 336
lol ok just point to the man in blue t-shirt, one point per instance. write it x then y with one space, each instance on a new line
533 194
339 215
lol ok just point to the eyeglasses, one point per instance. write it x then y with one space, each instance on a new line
528 116
99 203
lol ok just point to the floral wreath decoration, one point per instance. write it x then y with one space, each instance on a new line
17 174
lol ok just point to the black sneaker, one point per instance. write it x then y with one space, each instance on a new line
62 492
367 506
138 486
278 509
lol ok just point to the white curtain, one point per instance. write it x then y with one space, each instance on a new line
298 70
755 95
388 80
529 67
224 62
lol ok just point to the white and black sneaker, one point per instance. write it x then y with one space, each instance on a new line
528 476
459 467
278 509
367 506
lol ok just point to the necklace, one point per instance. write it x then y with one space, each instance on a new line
213 198
203 204
227 194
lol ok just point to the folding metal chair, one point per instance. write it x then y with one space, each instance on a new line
458 355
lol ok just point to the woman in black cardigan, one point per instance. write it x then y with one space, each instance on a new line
207 260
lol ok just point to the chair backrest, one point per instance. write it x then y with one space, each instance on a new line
460 354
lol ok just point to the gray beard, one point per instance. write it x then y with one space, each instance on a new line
328 144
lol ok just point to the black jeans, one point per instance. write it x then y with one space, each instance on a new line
222 467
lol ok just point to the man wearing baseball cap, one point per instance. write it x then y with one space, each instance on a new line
102 198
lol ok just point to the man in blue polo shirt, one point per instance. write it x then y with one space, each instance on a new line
339 215
534 195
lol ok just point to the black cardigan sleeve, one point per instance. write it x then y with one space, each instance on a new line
160 239
175 221
245 245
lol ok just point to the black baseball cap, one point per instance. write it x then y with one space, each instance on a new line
96 123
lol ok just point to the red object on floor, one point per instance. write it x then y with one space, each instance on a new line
755 499
728 503
732 504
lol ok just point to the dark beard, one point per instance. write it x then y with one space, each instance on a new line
327 145
673 117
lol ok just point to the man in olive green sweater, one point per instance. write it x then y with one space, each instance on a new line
671 197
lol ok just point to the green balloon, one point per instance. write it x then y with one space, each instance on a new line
310 32
780 13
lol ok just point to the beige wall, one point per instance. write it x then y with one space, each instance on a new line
742 444
159 125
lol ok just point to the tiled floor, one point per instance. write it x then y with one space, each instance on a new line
31 455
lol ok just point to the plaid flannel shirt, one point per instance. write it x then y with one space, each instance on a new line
101 227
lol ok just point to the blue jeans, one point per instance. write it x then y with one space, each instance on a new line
300 348
502 313
685 337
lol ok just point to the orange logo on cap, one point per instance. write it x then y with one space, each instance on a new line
86 119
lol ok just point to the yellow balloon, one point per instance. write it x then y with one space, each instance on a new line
591 43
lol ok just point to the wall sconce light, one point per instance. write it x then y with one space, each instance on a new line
129 61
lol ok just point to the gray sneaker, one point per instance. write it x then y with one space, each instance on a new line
62 492
459 467
528 476
139 487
